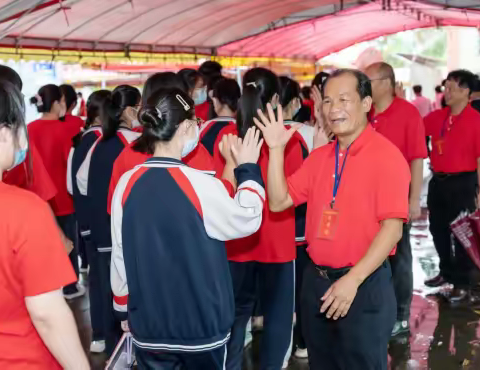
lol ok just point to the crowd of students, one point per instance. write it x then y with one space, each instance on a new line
188 202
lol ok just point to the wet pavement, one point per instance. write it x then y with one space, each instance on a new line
442 337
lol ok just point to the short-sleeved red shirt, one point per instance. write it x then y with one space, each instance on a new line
199 159
37 180
374 187
461 140
274 242
402 124
53 139
75 121
33 261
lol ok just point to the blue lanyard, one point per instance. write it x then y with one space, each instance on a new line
338 176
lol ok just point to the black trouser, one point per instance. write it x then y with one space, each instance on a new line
276 290
358 341
111 326
448 196
82 248
300 264
402 273
68 224
211 360
94 287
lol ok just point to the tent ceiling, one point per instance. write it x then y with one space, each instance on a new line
203 26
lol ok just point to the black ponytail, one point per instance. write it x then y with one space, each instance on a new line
95 103
122 97
165 110
290 90
260 85
46 97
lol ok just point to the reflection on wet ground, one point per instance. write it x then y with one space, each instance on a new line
442 337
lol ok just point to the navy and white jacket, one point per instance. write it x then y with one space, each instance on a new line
75 159
210 131
93 180
169 263
305 134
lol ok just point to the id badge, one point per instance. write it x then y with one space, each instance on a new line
439 144
328 223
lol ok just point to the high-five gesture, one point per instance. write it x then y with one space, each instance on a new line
274 131
248 150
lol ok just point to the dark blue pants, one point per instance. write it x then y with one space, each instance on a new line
276 290
402 273
301 263
68 224
211 360
94 289
359 341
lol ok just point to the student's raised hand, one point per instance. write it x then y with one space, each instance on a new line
316 96
248 149
225 146
274 131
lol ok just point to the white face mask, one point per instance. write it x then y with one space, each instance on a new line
199 96
134 121
191 144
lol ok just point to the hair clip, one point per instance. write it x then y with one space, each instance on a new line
183 102
159 113
39 100
253 83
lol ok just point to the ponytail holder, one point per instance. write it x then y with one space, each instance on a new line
39 100
183 102
253 83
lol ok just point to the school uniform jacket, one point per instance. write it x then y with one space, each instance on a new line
169 263
93 179
210 132
75 159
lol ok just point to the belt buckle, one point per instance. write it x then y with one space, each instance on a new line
323 273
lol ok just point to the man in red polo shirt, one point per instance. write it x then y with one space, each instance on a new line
401 123
455 155
356 189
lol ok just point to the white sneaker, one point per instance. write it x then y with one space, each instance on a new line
97 346
257 323
285 365
301 353
80 292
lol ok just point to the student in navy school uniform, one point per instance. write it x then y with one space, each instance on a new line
170 274
225 95
81 146
93 179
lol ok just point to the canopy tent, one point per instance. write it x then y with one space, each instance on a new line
306 29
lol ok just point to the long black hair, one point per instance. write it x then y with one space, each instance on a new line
123 96
10 75
260 85
70 95
162 80
227 92
190 77
49 94
165 110
290 90
95 103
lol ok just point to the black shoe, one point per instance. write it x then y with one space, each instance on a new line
435 282
400 327
458 295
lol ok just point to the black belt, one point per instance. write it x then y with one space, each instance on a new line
443 175
330 273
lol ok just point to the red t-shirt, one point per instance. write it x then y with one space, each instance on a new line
275 240
53 139
75 121
33 261
374 187
460 144
201 110
402 124
199 159
37 180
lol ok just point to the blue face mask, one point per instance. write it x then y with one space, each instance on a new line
295 112
200 95
20 156
191 144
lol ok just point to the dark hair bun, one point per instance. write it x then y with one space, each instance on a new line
33 100
150 117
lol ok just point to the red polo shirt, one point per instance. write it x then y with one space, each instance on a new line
33 261
461 140
374 187
128 159
201 110
402 124
53 139
75 121
34 178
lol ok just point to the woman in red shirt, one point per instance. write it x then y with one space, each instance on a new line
69 96
53 140
37 328
267 257
197 89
